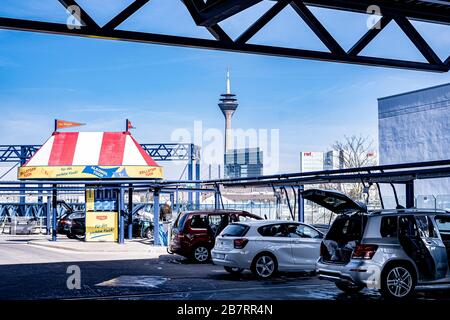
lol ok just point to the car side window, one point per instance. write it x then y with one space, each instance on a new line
302 231
443 223
198 222
388 228
244 217
214 221
426 227
274 230
407 226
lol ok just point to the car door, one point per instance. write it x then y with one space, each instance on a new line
443 226
431 238
199 229
305 242
275 239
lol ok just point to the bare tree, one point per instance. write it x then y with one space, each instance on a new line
354 152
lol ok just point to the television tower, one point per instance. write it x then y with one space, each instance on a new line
228 104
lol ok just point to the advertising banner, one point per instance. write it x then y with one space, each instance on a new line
90 200
102 226
90 172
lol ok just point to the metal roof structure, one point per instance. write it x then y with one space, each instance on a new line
209 13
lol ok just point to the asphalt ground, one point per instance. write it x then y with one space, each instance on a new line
30 272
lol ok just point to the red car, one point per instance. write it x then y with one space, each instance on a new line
194 232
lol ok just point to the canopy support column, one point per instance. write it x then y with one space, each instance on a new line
156 241
190 173
49 215
197 177
121 213
55 212
301 204
130 212
410 194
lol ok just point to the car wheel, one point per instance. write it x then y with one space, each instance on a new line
80 237
397 282
200 254
349 288
148 234
264 266
233 270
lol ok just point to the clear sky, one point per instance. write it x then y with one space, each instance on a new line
163 88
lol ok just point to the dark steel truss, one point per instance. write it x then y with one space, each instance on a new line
208 14
158 151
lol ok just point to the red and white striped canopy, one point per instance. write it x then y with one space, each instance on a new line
91 149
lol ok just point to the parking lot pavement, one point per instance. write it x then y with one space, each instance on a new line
32 272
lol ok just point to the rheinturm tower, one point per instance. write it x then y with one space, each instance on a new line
228 104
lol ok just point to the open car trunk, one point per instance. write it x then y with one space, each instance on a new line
344 235
347 230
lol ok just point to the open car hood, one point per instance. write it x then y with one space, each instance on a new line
334 201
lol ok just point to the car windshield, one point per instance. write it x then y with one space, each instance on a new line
234 230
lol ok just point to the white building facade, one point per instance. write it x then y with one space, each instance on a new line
414 127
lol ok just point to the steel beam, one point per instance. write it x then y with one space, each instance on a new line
133 36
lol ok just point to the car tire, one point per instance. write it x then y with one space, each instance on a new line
80 236
200 254
148 233
398 282
264 265
349 288
234 271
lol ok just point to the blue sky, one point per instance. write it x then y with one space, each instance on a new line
163 88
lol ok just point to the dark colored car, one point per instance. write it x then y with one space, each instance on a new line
73 224
194 232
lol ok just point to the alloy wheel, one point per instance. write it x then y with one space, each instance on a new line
399 282
265 266
201 254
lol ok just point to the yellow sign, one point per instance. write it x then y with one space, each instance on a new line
90 199
90 172
101 226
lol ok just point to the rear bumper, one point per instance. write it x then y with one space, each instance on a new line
359 272
178 249
234 259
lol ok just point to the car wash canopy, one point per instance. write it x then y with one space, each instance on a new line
90 155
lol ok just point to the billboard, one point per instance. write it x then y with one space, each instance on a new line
89 172
102 226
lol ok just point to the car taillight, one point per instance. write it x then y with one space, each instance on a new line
364 251
240 243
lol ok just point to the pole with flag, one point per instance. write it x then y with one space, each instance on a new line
129 125
63 124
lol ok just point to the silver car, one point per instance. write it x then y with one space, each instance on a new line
393 251
266 247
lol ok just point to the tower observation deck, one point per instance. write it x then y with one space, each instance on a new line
228 104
